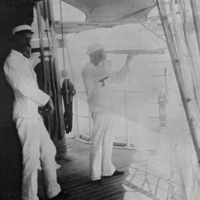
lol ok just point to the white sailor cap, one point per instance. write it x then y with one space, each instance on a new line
94 47
21 28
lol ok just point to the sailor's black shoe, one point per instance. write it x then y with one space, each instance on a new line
116 173
61 195
97 182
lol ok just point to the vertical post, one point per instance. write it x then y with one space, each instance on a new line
162 106
41 41
60 143
126 120
63 41
175 64
166 86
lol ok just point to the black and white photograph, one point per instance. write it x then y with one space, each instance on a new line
99 99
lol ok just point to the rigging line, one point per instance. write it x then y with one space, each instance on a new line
177 40
172 45
177 55
176 46
156 43
187 109
192 69
62 35
70 63
181 6
183 18
194 87
153 32
196 18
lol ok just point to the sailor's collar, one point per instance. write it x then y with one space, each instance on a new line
17 53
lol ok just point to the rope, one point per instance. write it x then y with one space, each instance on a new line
153 32
68 90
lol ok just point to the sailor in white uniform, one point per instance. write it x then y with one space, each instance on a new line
97 76
37 147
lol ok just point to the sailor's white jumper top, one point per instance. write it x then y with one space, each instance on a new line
21 76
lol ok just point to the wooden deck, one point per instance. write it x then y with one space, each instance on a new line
145 178
74 175
149 175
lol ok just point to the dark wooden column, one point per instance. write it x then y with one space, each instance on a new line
12 13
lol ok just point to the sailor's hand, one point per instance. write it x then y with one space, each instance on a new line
106 64
35 59
49 107
129 58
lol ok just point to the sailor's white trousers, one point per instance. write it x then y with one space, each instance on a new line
37 148
101 146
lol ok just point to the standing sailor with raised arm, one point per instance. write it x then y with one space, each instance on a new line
97 76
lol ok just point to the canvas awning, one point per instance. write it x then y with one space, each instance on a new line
106 13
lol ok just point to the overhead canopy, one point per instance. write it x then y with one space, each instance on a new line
106 13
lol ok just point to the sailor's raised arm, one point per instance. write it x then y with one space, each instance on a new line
118 77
